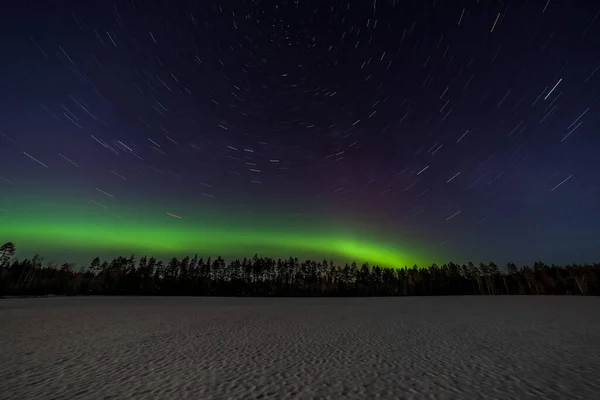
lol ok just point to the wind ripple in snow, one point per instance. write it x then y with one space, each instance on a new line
223 348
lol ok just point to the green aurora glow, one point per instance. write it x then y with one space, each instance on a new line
69 227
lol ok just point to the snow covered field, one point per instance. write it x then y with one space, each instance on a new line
248 348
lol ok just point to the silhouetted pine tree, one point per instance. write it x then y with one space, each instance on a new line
261 276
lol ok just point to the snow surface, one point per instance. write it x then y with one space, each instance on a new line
252 348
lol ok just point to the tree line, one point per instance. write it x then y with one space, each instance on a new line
263 276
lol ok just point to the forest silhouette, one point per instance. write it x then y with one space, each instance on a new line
262 276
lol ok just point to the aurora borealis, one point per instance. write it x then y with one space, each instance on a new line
380 132
149 232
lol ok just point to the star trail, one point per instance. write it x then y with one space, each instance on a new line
392 132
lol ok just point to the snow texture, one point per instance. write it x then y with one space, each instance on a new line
348 348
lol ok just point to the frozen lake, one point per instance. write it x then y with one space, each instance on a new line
252 348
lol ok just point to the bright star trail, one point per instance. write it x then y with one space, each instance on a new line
390 132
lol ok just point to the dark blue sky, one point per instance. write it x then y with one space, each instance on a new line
470 127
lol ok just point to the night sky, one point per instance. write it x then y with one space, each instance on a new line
394 132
